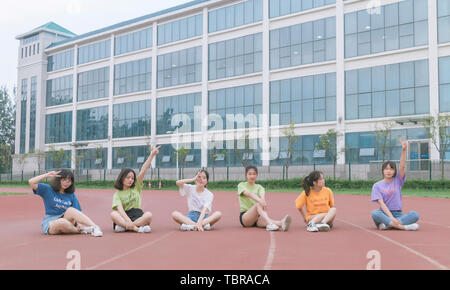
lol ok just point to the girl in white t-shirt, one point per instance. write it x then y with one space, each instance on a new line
199 203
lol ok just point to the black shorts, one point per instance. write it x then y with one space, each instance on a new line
133 214
240 219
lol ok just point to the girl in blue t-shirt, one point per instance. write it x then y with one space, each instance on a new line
62 210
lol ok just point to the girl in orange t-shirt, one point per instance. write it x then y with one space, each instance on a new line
319 201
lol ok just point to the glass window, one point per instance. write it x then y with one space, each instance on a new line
385 82
93 84
131 123
59 91
391 27
92 124
180 67
317 39
236 57
60 133
97 51
60 60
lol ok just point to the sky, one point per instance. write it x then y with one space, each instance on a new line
78 16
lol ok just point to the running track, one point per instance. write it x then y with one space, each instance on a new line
228 246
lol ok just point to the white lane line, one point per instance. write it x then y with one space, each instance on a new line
448 227
129 252
271 253
28 243
434 262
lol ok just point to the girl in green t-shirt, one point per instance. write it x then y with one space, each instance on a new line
127 214
254 206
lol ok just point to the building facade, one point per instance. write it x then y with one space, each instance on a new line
223 78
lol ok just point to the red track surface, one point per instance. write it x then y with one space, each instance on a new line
228 245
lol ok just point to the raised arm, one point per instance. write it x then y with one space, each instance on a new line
180 183
147 163
403 157
33 182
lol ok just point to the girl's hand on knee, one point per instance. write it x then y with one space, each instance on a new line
129 226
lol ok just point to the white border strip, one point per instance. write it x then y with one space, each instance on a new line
435 263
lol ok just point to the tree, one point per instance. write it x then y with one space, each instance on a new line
328 143
58 156
244 154
438 130
181 154
39 155
288 132
382 133
214 156
22 160
7 128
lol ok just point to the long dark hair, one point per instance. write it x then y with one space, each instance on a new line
308 181
123 173
391 164
55 183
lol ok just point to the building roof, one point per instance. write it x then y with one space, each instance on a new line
50 27
128 22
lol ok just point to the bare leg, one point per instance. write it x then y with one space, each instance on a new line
118 220
329 218
315 219
144 220
212 219
250 217
264 219
182 219
62 226
75 216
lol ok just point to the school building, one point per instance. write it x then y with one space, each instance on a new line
224 78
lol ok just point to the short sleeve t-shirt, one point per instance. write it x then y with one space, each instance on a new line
197 201
389 192
129 198
316 202
246 202
56 203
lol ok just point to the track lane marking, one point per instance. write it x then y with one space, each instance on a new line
434 262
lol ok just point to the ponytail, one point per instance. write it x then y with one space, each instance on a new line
308 181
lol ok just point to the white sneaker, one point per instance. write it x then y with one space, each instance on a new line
96 232
382 227
93 230
411 227
272 227
185 227
323 227
119 229
207 227
144 229
285 223
311 227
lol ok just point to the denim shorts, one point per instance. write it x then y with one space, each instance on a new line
194 215
46 222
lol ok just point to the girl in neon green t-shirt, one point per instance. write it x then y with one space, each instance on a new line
253 204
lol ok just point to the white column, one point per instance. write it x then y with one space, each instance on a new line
27 121
74 104
18 115
433 69
205 73
110 104
340 79
154 86
265 122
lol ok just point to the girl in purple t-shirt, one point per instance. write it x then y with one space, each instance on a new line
388 194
